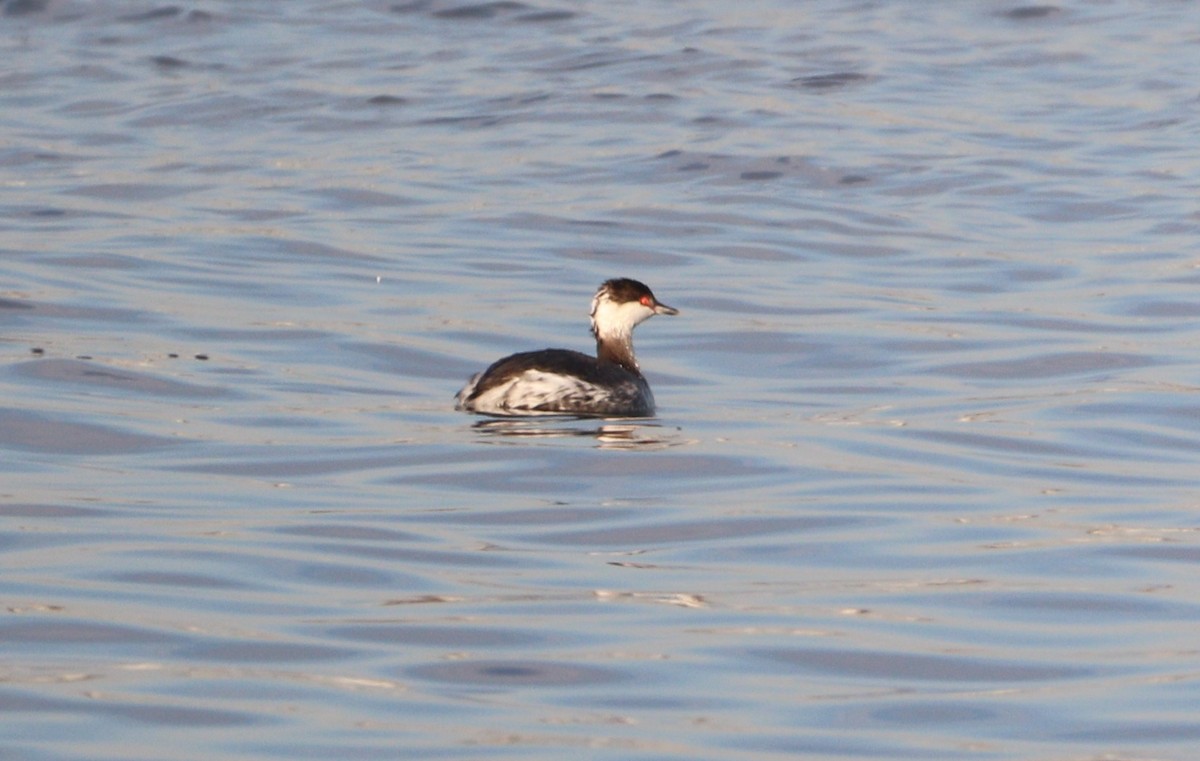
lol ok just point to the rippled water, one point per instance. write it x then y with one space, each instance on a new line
923 482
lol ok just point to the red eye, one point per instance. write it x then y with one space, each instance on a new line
646 301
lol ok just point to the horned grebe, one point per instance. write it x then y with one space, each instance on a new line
569 382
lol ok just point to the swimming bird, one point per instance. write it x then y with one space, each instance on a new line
562 381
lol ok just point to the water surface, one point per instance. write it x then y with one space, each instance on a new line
923 479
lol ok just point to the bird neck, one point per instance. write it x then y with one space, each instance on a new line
617 349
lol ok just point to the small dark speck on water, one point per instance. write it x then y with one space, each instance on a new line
509 671
168 11
829 81
83 356
420 5
480 11
21 7
38 350
1026 12
173 355
541 17
387 100
202 357
168 62
761 175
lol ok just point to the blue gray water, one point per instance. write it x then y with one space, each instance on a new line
923 483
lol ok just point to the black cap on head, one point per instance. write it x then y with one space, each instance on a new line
622 289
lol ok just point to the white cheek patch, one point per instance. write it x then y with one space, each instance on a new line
611 319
